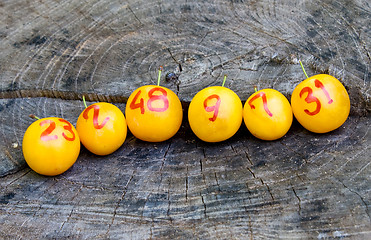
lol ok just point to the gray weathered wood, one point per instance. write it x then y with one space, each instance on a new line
302 186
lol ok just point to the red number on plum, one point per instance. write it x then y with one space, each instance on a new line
214 108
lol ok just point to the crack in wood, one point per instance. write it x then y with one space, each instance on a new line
221 65
145 203
295 152
248 195
169 202
118 203
217 181
362 199
252 173
299 201
51 187
204 153
203 175
203 202
100 188
136 17
248 69
247 212
368 53
203 37
234 150
163 163
250 228
248 158
186 185
268 188
151 229
14 171
161 173
16 179
10 157
167 150
68 218
176 61
64 95
73 208
299 176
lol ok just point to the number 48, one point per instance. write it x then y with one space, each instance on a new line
163 97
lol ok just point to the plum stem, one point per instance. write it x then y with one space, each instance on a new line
34 117
302 67
225 78
159 75
83 99
255 88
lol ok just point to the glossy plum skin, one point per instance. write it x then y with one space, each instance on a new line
320 103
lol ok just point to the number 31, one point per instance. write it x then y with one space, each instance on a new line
310 98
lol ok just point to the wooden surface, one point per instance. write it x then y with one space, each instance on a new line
303 186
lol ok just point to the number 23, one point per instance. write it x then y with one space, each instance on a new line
45 135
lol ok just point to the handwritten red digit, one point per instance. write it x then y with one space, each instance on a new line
319 84
214 108
95 116
67 127
310 99
162 97
265 104
45 135
134 105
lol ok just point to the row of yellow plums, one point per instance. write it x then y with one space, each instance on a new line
154 113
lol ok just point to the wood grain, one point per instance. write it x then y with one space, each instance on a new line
302 186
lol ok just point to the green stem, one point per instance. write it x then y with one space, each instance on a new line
225 78
255 88
83 99
159 75
302 67
34 117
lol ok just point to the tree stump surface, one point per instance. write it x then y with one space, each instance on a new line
303 186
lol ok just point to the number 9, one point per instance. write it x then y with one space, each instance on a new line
226 118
